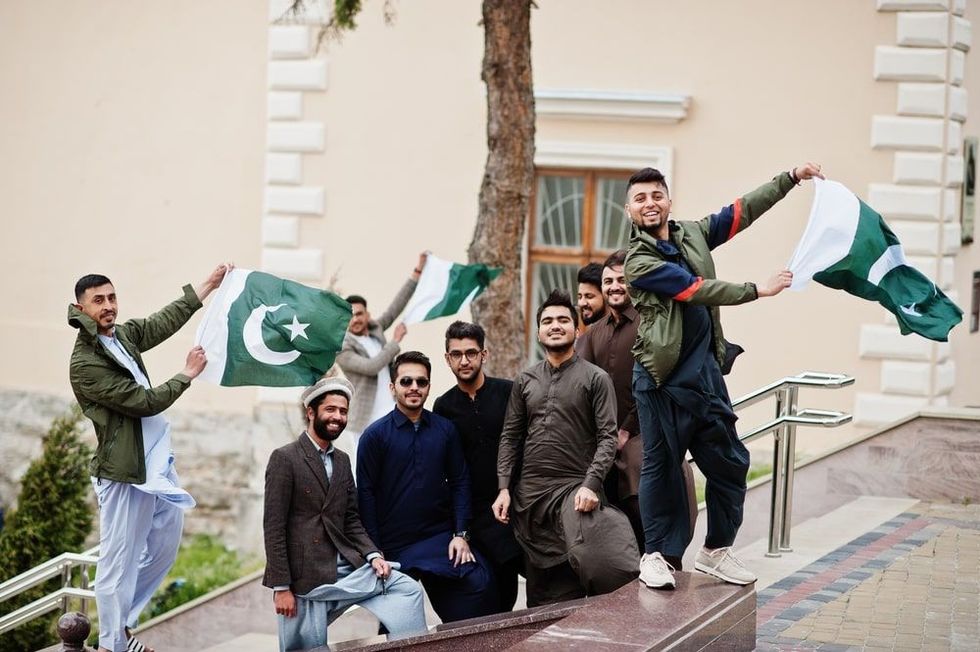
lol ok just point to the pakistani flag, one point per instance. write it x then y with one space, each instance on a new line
263 330
445 288
847 246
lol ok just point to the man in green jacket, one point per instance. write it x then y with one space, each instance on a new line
140 500
680 352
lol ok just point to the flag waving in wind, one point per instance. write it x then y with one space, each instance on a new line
847 246
445 288
266 331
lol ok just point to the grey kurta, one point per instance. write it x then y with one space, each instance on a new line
565 421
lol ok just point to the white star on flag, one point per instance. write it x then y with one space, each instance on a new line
297 329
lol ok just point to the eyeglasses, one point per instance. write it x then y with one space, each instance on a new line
406 381
471 355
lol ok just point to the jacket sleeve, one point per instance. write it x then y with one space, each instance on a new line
512 435
398 304
351 362
731 220
671 281
604 408
458 476
148 332
278 495
119 392
368 465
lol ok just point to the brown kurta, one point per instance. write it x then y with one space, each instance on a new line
564 419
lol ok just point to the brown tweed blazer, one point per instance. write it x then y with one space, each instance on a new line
309 520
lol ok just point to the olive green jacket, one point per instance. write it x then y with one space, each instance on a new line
110 396
658 341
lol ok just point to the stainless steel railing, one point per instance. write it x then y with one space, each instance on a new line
69 566
783 428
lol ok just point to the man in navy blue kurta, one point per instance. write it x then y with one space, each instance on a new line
414 493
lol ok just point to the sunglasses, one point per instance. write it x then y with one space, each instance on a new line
406 381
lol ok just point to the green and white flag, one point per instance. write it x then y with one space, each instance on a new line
847 246
266 331
445 288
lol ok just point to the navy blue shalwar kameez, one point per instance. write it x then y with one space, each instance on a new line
691 411
413 491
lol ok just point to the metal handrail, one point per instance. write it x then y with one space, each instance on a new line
61 566
783 429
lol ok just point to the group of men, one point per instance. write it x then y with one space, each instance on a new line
502 478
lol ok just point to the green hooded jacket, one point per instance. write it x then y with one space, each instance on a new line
658 340
110 396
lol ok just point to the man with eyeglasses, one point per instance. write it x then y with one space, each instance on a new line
413 488
476 404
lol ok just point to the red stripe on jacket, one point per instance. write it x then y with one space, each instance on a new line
690 290
736 219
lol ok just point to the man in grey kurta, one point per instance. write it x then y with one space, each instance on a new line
561 421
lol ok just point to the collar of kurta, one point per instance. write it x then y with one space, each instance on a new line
629 314
401 420
563 365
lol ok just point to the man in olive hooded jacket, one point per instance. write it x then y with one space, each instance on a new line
140 500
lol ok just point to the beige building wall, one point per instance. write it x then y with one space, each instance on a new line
149 141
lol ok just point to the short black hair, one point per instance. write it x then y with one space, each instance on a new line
562 299
647 175
89 281
462 330
315 403
591 274
615 259
356 298
411 357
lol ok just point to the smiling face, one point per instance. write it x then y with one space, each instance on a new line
591 306
99 303
614 288
359 319
329 418
556 329
648 206
411 387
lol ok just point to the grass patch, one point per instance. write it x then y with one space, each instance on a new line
203 564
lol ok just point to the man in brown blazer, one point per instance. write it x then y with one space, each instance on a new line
319 558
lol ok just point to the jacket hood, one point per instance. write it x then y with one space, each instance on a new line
81 321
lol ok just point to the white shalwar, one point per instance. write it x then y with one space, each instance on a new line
139 525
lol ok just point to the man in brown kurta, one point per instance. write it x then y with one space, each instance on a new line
561 419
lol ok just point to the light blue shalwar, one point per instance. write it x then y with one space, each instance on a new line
401 610
139 526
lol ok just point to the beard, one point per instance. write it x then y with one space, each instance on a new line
558 349
320 426
596 316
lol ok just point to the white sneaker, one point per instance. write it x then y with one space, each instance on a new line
655 572
724 565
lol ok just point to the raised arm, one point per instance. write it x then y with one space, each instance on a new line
351 362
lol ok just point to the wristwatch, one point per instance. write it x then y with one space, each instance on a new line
463 534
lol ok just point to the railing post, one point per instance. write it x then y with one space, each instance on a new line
73 630
790 465
84 584
65 582
776 504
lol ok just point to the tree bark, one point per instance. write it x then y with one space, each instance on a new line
505 193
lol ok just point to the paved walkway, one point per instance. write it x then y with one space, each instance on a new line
912 583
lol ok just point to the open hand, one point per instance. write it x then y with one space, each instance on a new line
459 551
779 282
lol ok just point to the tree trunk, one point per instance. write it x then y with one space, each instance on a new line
505 193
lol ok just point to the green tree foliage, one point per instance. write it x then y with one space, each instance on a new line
52 517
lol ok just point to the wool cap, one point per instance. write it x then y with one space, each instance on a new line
324 385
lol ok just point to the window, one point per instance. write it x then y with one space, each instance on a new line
577 217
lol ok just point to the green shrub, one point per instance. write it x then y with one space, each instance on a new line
203 564
52 516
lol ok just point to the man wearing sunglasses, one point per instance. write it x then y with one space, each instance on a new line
413 487
476 405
